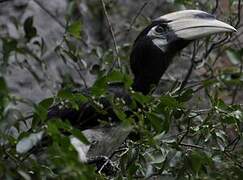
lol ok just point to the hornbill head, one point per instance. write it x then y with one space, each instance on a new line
158 43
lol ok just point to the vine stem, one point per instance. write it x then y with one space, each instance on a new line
113 37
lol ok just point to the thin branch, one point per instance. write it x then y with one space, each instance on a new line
184 82
228 154
216 45
123 150
216 7
187 130
79 70
237 87
12 157
201 111
26 118
238 14
137 14
50 14
103 166
235 161
192 146
113 37
233 143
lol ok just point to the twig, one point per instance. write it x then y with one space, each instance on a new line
137 14
205 148
187 131
14 159
123 150
234 143
103 166
192 146
237 86
235 161
113 37
50 14
215 45
184 82
238 14
26 118
235 92
200 111
216 7
78 69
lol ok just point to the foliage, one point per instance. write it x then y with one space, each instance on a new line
170 139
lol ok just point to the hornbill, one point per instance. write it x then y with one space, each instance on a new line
152 53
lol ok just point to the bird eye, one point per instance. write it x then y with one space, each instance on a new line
160 29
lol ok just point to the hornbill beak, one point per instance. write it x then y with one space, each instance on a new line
194 24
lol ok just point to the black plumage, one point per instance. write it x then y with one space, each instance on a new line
148 62
88 116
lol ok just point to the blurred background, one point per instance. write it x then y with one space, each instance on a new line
49 45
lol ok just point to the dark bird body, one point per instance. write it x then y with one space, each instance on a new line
87 116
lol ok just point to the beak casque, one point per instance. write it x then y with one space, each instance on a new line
194 24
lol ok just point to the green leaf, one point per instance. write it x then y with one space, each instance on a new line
41 111
234 56
73 99
3 87
117 76
101 84
62 125
166 124
199 159
56 126
207 83
65 94
220 104
46 103
168 101
75 29
9 45
185 95
142 99
121 115
157 121
232 117
196 163
52 128
78 134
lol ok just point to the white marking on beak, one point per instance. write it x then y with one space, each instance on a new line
185 14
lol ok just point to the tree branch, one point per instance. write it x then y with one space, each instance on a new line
113 37
50 14
137 14
216 7
184 82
